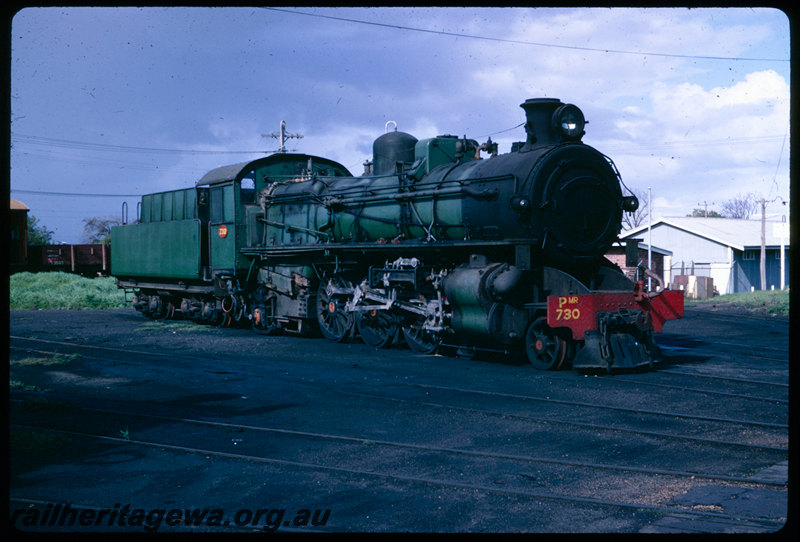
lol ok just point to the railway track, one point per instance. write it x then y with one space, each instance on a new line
779 430
667 369
550 448
116 414
517 486
779 401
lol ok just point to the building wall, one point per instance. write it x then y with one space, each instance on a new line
687 247
617 256
692 253
747 270
732 270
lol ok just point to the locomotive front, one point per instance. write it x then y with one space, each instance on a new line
563 193
579 203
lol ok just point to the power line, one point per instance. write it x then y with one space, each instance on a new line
668 145
71 144
532 43
502 131
99 162
628 147
75 194
777 167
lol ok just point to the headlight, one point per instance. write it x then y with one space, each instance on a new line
569 120
630 203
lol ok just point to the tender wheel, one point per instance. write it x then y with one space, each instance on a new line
189 309
210 314
169 311
420 340
546 350
334 321
156 308
377 328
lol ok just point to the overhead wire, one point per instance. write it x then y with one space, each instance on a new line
668 145
72 144
75 194
522 42
778 165
122 148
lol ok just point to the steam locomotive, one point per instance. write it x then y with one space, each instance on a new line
433 245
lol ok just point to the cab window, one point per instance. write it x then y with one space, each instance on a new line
222 204
248 188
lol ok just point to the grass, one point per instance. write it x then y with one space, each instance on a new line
175 327
766 301
58 290
19 385
58 359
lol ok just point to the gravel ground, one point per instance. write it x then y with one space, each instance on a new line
174 416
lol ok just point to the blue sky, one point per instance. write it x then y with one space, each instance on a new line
124 101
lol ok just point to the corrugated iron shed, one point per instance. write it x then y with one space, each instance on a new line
736 233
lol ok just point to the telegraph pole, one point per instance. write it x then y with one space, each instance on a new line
283 136
763 262
649 236
705 208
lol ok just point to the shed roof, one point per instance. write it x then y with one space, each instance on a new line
642 246
17 205
733 232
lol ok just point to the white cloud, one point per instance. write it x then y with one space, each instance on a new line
690 127
693 142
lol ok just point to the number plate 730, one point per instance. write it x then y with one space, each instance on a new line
566 310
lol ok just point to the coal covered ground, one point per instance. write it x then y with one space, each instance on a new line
302 434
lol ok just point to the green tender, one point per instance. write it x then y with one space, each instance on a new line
157 249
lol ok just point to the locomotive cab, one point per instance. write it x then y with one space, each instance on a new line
237 195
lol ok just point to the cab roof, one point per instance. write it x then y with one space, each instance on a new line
236 171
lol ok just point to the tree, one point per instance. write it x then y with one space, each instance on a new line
742 206
98 230
704 213
38 234
639 216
